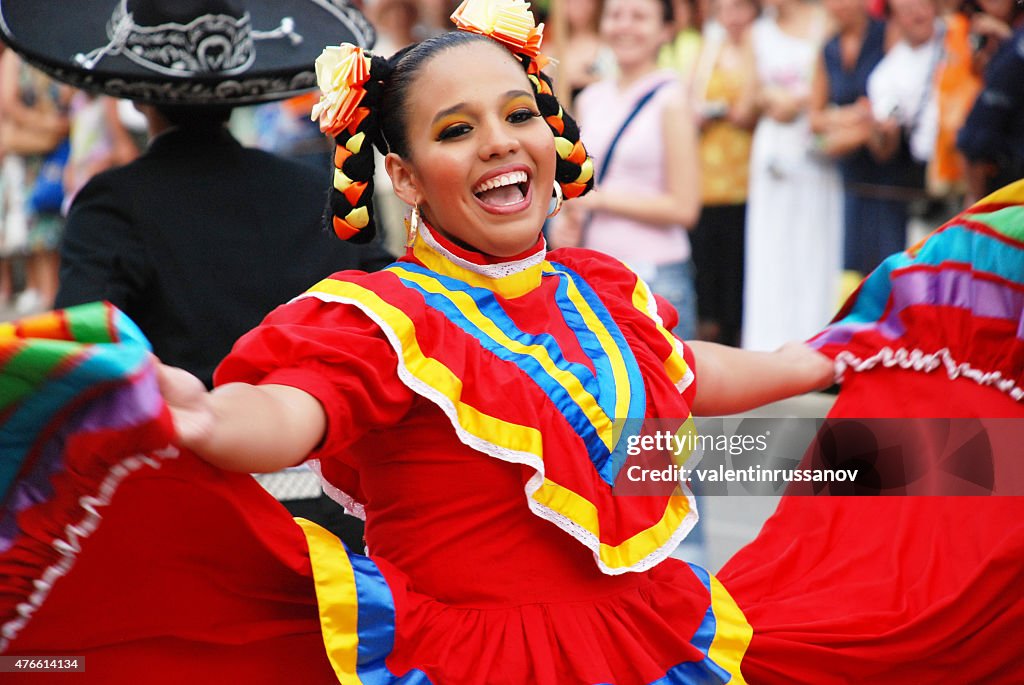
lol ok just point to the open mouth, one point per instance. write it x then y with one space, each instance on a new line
505 190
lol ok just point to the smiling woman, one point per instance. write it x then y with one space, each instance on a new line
480 162
459 103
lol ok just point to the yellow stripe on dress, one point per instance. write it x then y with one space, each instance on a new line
602 423
630 551
336 597
733 632
675 365
510 286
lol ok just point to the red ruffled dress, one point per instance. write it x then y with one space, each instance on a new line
511 558
471 420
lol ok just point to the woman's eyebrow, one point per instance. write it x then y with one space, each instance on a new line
508 95
445 112
512 94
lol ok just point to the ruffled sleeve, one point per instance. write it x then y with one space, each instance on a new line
339 356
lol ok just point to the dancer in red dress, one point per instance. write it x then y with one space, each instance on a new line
464 401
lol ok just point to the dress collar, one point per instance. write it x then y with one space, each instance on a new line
509 277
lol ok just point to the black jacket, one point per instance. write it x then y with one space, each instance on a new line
994 130
198 239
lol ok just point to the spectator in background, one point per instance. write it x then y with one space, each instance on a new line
992 24
647 194
397 23
199 238
957 84
794 214
874 221
35 136
905 108
992 139
725 90
98 139
584 59
681 53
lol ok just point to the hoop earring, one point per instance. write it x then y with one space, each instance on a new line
413 226
559 198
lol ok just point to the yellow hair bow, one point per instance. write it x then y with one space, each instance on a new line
341 73
509 22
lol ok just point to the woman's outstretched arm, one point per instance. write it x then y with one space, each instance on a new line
731 380
242 427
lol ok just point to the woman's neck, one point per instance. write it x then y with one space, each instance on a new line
630 74
736 38
855 28
788 10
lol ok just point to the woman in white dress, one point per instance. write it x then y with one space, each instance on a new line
794 212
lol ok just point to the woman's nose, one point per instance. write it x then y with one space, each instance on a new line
498 141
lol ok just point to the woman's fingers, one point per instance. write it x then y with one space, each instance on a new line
188 401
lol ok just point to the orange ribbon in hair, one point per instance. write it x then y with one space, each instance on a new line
509 22
341 72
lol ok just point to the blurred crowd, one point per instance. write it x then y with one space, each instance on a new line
752 159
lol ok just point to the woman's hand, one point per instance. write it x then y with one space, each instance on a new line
990 27
189 404
781 106
813 370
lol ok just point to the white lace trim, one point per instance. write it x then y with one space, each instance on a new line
918 360
70 546
581 534
347 501
492 271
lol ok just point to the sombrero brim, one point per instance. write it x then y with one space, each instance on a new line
50 33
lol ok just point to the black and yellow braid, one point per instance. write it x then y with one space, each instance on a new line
350 200
574 169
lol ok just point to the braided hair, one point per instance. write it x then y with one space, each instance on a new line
380 121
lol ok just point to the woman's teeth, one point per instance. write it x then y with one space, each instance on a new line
504 190
500 181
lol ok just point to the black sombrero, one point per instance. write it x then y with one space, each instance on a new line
185 52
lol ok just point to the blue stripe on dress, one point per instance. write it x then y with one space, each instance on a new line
490 308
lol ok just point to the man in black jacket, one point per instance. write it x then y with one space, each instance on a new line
199 238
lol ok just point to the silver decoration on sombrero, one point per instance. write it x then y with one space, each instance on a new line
238 91
209 44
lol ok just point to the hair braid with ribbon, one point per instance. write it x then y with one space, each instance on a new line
574 168
350 199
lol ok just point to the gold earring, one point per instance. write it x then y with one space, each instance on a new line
412 226
558 200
